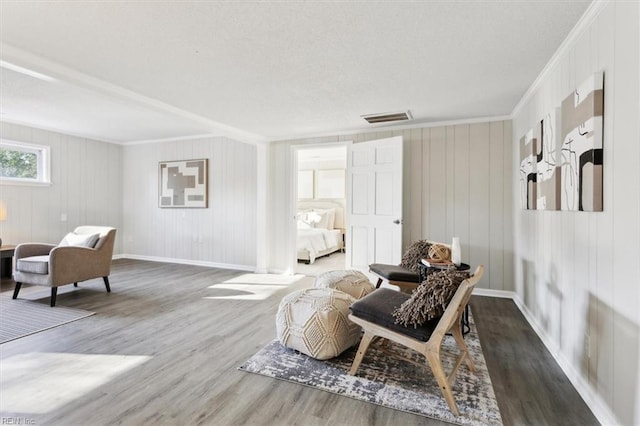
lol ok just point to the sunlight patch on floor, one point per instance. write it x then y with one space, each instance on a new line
39 382
267 279
253 286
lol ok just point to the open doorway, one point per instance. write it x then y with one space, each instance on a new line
320 202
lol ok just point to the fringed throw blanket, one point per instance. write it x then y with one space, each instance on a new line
431 298
416 252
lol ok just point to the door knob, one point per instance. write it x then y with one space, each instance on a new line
397 221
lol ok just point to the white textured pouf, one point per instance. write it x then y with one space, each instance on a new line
314 321
354 283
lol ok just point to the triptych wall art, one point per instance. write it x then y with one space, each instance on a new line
561 158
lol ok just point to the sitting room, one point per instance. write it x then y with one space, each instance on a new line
319 213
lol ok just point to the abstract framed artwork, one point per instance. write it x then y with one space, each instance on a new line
183 184
581 151
561 157
528 146
547 166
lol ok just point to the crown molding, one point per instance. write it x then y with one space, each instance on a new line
583 23
59 131
173 139
37 64
418 125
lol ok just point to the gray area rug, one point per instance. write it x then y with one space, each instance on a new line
19 317
389 381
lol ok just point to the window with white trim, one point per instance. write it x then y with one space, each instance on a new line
22 162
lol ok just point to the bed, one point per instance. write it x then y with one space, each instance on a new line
320 229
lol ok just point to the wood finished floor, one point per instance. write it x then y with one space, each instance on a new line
197 335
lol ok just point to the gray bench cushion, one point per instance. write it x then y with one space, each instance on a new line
394 272
34 264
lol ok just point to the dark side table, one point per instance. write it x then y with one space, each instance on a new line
6 260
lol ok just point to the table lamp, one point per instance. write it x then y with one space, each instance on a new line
3 216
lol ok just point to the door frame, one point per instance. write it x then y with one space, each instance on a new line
293 197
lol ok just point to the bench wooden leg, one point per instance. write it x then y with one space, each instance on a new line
362 349
443 381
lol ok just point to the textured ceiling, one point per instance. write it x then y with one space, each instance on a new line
131 71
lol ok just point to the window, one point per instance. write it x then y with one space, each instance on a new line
24 163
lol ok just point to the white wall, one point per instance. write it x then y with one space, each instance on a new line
86 178
457 182
578 273
322 164
224 234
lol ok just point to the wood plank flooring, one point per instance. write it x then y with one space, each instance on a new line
196 325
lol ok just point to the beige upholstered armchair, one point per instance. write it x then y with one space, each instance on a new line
82 255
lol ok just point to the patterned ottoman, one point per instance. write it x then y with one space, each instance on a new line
354 283
314 321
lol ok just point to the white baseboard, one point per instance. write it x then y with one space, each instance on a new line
596 404
248 268
493 293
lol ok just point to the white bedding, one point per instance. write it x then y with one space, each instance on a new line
318 241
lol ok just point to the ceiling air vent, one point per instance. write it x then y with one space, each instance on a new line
388 116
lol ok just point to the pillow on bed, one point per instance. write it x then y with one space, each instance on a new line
327 218
303 220
303 225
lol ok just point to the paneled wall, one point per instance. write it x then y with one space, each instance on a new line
223 234
578 273
86 178
457 182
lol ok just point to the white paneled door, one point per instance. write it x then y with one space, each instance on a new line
374 203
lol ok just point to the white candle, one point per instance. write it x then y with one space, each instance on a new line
455 251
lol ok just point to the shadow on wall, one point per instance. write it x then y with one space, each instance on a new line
552 318
618 363
529 281
543 298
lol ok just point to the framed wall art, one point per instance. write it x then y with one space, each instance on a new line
527 171
331 184
581 150
561 158
548 166
305 184
183 184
